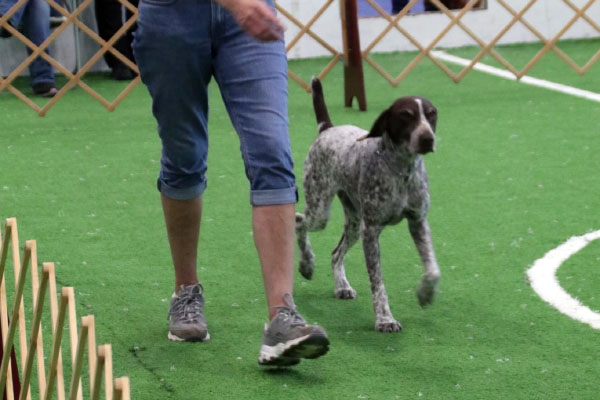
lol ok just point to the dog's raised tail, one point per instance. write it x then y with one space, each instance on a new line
319 105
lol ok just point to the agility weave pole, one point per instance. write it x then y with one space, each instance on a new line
18 358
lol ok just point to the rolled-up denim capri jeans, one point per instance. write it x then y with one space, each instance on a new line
179 46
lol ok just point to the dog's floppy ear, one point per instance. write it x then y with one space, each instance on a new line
380 126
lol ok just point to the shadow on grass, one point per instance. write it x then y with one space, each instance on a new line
287 375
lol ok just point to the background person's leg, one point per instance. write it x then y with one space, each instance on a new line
36 27
109 17
15 19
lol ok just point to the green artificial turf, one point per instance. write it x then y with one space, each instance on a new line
579 275
514 175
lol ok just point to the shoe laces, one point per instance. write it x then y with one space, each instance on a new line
187 305
289 311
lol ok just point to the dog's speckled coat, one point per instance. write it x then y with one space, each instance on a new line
380 179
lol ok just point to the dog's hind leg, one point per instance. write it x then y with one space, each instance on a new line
350 236
421 235
384 320
314 219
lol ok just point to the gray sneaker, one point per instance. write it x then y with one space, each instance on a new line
186 315
287 338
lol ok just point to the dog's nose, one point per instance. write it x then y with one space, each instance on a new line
426 144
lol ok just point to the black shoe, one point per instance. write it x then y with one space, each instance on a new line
122 73
45 89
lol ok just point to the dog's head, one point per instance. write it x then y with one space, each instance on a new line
409 122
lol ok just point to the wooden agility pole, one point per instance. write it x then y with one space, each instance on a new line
13 386
15 382
14 319
10 382
354 81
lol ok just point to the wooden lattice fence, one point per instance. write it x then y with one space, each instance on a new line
22 352
349 53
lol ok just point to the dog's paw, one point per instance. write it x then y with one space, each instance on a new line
307 267
388 326
426 291
345 294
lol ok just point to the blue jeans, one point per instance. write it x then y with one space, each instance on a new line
179 46
35 18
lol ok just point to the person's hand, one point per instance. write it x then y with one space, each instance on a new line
256 18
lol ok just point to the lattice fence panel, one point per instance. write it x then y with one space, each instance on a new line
455 17
22 353
306 30
77 78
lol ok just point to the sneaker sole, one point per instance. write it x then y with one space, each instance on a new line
290 352
176 338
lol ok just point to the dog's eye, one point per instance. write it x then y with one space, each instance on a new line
431 113
407 113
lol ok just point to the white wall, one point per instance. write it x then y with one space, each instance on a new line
547 16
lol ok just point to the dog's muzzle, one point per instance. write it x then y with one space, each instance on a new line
426 143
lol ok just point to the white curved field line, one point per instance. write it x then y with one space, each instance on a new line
542 277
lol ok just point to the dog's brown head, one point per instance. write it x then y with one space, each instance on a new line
409 122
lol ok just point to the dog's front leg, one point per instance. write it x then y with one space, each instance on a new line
421 234
384 320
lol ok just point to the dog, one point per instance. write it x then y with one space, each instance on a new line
380 178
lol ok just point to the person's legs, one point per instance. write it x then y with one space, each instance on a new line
252 77
186 312
273 228
182 219
175 64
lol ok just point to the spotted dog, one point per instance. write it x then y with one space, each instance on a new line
380 178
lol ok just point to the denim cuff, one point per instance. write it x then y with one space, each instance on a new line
181 193
274 197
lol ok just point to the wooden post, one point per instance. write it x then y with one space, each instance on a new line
354 82
16 384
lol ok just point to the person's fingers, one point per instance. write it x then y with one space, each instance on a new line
260 21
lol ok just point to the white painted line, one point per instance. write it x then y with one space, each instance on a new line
557 87
542 277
